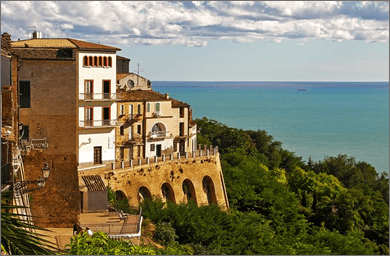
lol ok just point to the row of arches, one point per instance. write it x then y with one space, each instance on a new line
188 190
97 61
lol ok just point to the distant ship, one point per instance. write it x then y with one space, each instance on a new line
302 90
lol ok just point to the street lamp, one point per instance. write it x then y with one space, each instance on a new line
40 182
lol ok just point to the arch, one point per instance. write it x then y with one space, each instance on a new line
143 193
167 193
105 61
189 190
110 61
95 60
90 61
119 195
158 127
86 62
209 189
100 61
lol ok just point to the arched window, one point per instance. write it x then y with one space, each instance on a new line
109 61
95 61
86 61
90 61
100 61
105 61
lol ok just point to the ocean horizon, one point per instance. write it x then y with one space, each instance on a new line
312 119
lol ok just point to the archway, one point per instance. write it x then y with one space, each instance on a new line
167 193
209 190
143 193
119 195
189 190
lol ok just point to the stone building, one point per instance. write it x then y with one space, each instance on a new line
68 110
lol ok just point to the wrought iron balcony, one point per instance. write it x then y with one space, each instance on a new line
98 96
98 123
158 134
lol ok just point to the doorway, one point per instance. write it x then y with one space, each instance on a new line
97 155
106 89
106 115
158 150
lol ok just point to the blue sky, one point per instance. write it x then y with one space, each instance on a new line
223 41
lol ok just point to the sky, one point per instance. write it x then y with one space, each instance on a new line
222 41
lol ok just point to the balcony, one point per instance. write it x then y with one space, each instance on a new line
97 96
128 118
158 134
98 123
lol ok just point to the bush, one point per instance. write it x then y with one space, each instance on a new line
165 234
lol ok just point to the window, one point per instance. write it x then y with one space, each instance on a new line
100 61
105 61
181 129
130 133
122 110
152 146
88 116
24 87
139 109
90 61
122 153
109 61
157 107
181 112
122 130
88 89
106 115
106 89
86 62
148 107
139 129
95 59
24 132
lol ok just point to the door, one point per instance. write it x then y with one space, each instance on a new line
88 89
106 89
97 155
182 147
158 150
88 116
106 115
130 152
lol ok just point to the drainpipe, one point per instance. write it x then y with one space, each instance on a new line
144 128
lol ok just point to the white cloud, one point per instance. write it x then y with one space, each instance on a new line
193 23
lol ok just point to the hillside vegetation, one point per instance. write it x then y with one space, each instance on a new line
278 204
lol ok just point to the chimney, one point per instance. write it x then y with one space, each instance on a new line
167 96
6 40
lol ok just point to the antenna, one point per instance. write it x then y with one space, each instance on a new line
138 70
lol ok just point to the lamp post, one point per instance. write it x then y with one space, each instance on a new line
40 182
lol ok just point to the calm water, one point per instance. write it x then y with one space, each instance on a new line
327 119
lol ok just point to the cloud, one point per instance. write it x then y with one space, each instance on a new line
193 23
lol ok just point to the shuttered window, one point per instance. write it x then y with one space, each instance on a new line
24 94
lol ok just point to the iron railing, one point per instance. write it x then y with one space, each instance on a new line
97 96
98 123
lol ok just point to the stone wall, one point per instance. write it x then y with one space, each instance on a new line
53 115
173 173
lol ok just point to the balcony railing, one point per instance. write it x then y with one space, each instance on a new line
158 134
97 96
98 123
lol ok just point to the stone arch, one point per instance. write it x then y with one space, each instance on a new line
209 189
158 126
119 195
167 193
189 190
143 193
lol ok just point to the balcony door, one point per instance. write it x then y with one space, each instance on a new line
106 115
106 89
88 89
88 116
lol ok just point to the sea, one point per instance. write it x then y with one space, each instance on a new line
311 119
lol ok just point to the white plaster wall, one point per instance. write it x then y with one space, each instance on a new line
97 139
167 143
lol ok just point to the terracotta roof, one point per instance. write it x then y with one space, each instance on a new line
121 58
122 75
61 43
94 182
141 95
44 54
92 46
178 103
44 43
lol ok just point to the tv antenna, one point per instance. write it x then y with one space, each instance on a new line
138 70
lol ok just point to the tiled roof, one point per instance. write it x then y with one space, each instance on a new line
177 104
140 95
43 54
87 45
121 58
94 182
44 43
61 43
122 75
